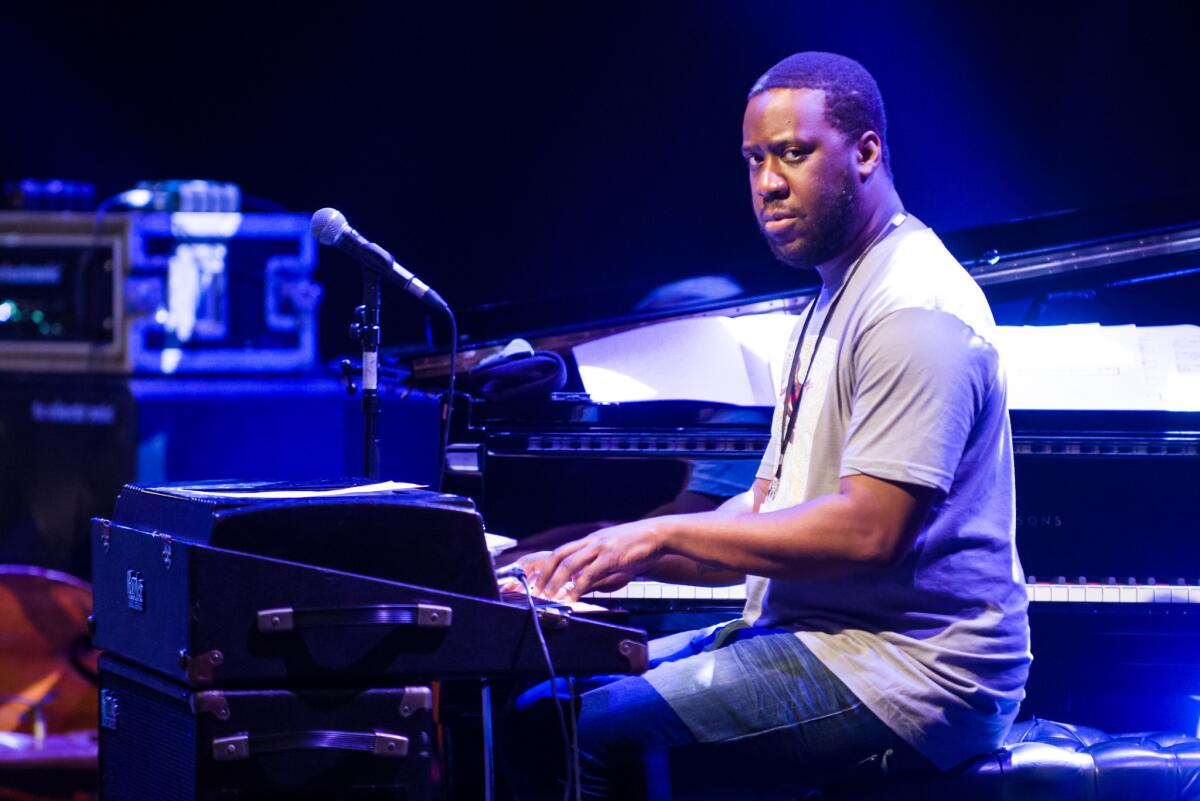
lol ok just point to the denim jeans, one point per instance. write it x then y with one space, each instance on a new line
727 712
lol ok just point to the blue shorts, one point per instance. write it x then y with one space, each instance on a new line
727 712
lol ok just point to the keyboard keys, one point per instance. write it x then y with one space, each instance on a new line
1060 591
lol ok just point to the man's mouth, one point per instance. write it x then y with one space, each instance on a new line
778 223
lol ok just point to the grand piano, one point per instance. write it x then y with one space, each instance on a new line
1107 522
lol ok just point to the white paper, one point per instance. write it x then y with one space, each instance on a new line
716 359
383 486
497 544
764 339
1171 366
690 359
1096 367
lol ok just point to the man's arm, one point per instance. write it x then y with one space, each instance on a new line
867 525
678 569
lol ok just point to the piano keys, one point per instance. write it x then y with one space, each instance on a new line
648 595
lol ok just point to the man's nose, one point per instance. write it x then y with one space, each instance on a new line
769 183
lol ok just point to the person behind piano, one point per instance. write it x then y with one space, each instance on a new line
885 626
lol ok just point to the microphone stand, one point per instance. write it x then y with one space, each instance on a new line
366 330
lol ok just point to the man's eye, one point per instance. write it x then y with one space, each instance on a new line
754 161
794 154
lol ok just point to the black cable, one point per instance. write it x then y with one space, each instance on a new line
569 746
575 738
449 399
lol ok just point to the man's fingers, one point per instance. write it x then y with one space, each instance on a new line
558 578
566 576
584 572
533 565
551 566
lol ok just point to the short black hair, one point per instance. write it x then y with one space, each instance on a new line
853 104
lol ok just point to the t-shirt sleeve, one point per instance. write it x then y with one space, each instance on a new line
921 378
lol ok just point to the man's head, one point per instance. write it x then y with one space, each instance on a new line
814 140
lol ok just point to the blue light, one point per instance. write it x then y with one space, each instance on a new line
136 198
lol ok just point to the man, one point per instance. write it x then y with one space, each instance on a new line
886 615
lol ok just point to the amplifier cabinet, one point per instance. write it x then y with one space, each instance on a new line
164 741
157 293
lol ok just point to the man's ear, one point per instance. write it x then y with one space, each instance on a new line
868 154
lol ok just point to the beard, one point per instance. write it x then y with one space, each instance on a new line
829 230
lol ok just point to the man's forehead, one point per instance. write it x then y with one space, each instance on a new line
780 110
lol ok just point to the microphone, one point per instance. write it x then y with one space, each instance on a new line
329 226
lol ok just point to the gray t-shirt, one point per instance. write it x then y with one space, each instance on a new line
908 387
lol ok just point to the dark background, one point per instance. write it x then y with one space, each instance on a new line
509 150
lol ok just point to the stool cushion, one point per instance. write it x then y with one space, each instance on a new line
1047 761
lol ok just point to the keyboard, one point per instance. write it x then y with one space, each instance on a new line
1039 592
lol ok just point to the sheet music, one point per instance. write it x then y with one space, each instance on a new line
718 359
381 487
1090 366
1171 366
764 339
691 359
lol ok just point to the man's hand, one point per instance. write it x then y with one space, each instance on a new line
604 560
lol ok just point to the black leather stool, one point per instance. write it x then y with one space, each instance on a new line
1047 761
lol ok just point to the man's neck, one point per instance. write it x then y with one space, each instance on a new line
833 272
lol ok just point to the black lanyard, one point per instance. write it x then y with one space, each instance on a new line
789 425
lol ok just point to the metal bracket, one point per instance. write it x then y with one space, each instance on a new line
637 653
553 618
106 535
200 668
390 745
414 700
226 749
276 619
214 703
431 616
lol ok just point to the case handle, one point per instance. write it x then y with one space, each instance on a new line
425 616
244 745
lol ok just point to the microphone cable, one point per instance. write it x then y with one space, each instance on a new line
569 738
448 410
